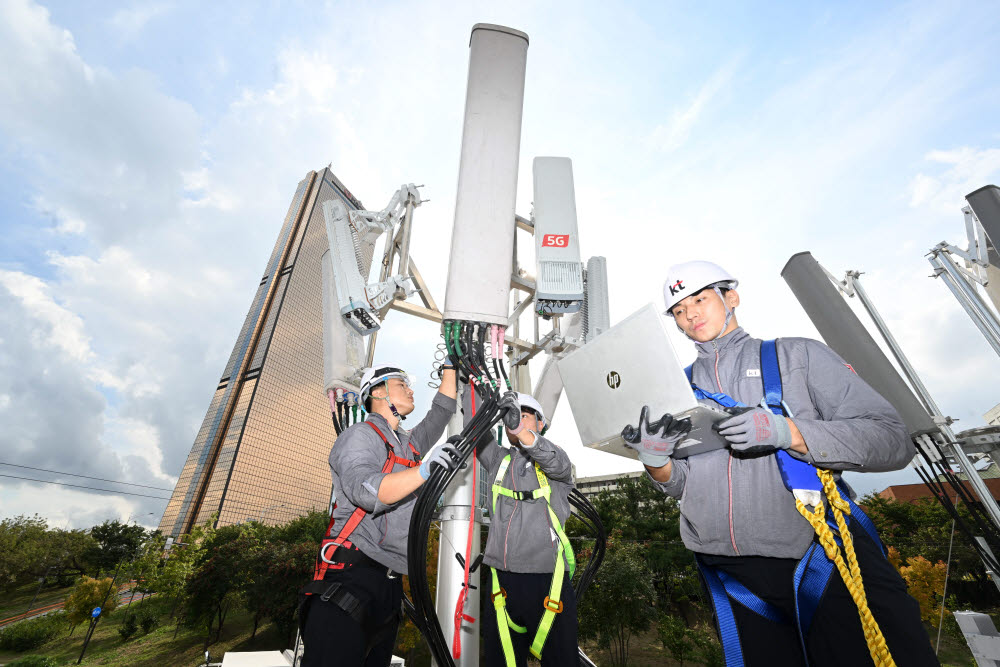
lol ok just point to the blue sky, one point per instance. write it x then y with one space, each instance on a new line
149 152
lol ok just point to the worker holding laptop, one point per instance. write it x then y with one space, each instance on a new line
772 525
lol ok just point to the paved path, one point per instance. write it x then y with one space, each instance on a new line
123 594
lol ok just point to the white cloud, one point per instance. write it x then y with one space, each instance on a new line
52 324
958 172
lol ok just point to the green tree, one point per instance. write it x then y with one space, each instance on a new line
676 637
283 570
923 528
145 569
87 594
214 587
620 600
21 542
308 528
115 541
641 512
178 566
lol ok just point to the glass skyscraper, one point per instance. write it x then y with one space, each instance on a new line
261 452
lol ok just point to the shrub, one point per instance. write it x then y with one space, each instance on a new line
90 593
148 621
30 634
33 661
128 627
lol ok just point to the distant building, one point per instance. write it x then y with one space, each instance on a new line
261 452
591 486
908 493
992 415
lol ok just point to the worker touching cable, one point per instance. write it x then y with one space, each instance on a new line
772 525
533 605
352 609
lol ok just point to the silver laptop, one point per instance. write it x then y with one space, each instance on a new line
632 364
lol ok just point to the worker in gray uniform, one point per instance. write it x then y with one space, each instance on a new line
353 606
533 605
742 520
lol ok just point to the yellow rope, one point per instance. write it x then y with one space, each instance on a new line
850 571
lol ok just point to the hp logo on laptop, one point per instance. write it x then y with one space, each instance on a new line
614 380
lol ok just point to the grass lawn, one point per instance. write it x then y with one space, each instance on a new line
16 601
159 647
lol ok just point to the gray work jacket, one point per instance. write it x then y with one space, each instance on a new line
356 462
739 506
521 536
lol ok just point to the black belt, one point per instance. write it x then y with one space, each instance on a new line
355 557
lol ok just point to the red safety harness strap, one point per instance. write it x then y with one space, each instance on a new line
341 540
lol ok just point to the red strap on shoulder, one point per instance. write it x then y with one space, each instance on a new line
341 540
392 454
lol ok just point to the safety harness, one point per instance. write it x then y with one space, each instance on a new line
814 570
564 558
337 553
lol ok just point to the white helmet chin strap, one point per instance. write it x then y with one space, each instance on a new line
392 407
729 313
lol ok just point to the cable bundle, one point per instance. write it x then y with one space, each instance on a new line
982 522
475 433
587 514
473 347
467 346
344 409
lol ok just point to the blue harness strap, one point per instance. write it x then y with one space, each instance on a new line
726 622
814 570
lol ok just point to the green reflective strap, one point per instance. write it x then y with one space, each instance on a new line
564 559
549 616
564 545
567 548
504 622
497 488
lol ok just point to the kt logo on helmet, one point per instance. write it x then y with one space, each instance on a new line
614 380
676 287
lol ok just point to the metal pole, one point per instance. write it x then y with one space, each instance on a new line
404 245
944 594
968 298
41 580
455 516
911 374
93 624
928 401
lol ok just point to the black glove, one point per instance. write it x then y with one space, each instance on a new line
510 409
655 442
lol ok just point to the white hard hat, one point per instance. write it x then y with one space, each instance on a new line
378 374
528 401
685 279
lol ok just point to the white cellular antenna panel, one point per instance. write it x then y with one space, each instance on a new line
349 284
559 274
343 347
597 315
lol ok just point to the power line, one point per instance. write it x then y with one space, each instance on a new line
90 488
73 474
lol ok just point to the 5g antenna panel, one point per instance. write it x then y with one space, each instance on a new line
559 286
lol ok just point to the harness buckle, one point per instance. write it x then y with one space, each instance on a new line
503 592
334 587
549 602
